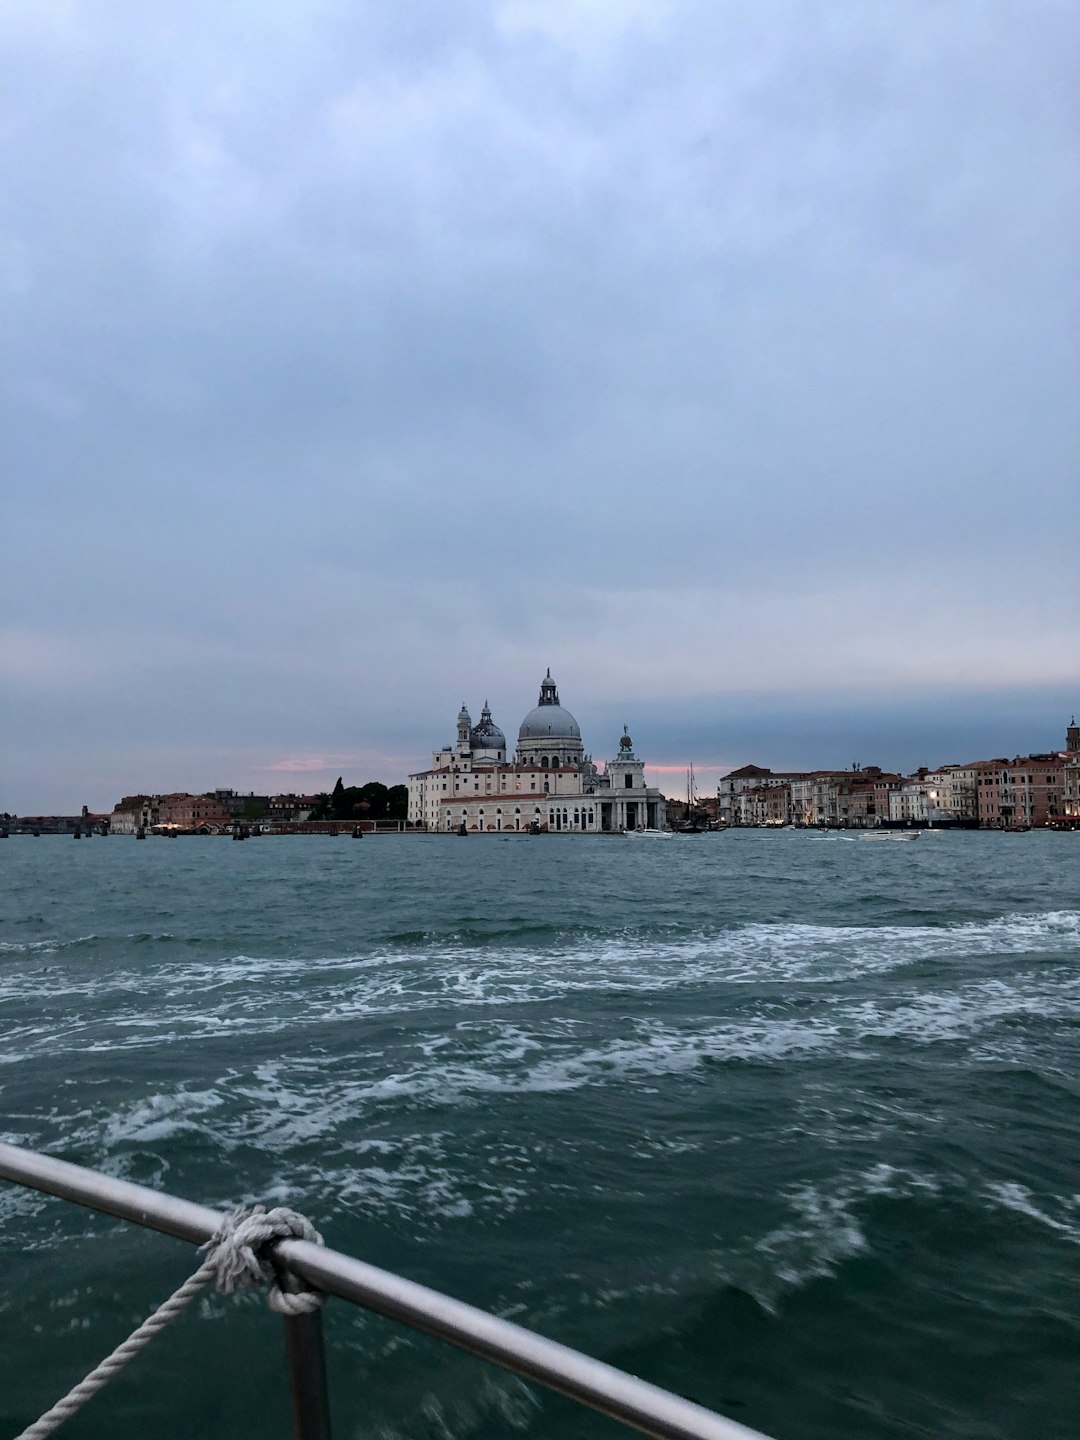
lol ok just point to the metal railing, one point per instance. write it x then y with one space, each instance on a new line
644 1407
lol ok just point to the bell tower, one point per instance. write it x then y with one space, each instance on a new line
1072 736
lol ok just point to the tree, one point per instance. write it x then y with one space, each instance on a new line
397 802
373 801
373 795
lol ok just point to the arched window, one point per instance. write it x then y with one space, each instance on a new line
544 762
547 787
554 762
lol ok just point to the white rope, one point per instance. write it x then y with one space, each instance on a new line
239 1256
242 1255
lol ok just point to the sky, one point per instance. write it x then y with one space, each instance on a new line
360 359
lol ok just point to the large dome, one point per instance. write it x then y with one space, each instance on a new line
549 721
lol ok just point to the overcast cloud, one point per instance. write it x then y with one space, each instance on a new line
359 359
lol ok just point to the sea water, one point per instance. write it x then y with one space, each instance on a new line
786 1122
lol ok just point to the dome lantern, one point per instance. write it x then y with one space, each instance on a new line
549 731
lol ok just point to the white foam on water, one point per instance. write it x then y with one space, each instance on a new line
943 1015
416 1180
1011 1195
826 1230
158 1117
470 975
288 1105
42 947
193 1001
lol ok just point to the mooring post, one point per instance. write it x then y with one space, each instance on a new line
307 1376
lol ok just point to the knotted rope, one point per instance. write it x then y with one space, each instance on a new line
239 1257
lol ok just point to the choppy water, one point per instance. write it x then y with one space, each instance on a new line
786 1122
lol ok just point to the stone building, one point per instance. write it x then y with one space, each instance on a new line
182 811
134 813
550 783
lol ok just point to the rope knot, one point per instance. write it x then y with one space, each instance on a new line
241 1256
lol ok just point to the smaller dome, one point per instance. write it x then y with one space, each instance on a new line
486 735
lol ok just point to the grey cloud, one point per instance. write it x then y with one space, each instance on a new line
440 342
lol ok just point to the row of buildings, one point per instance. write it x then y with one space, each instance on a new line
549 783
216 810
1025 792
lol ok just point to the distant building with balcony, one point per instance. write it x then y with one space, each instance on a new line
952 795
909 803
1027 791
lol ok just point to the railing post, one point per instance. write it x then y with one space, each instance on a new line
307 1376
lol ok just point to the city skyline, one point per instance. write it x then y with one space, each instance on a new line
720 357
815 749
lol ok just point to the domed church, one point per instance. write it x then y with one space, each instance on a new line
550 784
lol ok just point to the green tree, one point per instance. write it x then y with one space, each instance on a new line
373 801
373 795
397 802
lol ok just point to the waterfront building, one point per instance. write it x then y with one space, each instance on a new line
181 811
550 783
952 795
134 813
289 807
1070 788
240 806
176 811
885 786
909 804
815 798
750 779
1026 791
765 804
858 802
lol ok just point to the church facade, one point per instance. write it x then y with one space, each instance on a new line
549 783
